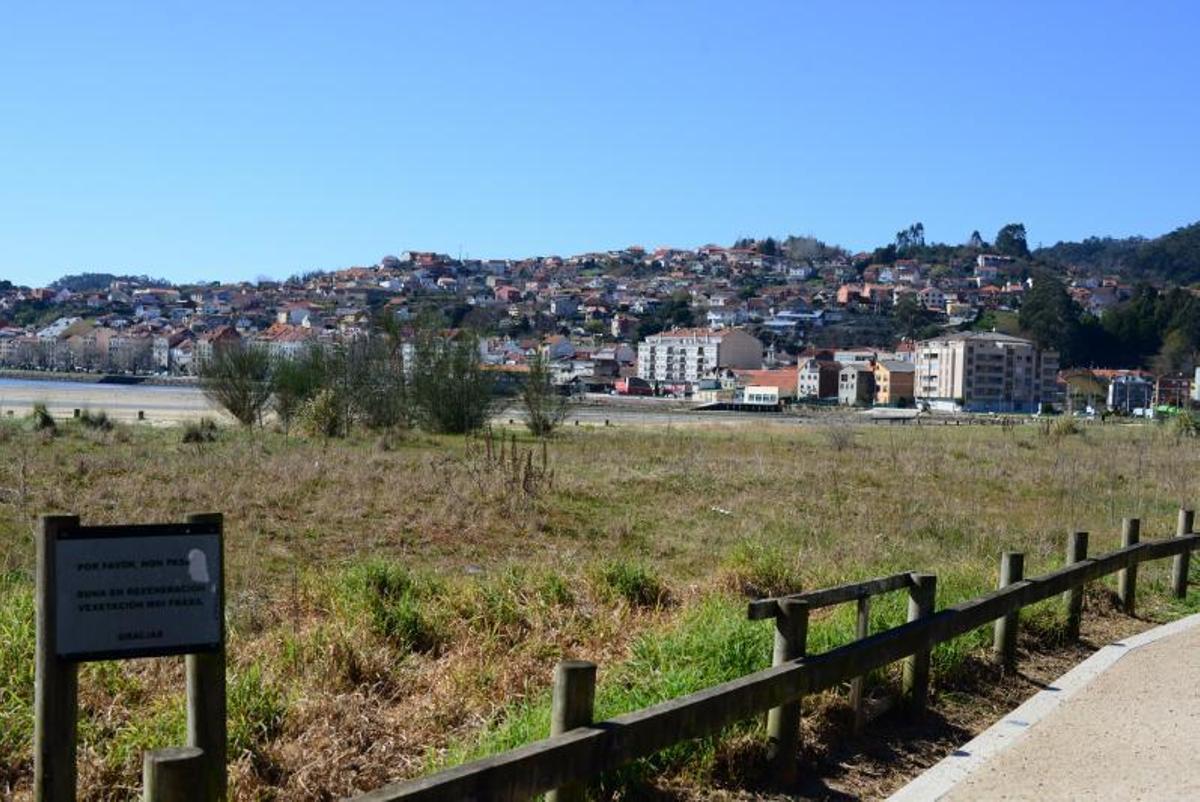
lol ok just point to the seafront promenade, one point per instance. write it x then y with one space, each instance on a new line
1122 725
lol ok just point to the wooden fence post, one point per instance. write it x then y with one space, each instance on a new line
56 681
858 685
1131 529
572 706
206 708
922 597
1004 642
783 722
1077 547
1179 567
174 774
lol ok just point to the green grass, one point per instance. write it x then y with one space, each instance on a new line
400 601
635 583
17 638
257 710
711 643
391 599
760 568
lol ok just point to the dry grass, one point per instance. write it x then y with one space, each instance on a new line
504 566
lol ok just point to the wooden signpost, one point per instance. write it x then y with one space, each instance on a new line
124 592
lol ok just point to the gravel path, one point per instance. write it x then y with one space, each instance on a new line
1129 734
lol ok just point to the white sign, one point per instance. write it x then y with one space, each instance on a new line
137 592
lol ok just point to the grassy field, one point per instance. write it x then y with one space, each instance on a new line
397 604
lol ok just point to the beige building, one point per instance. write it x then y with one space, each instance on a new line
894 382
856 385
985 372
684 356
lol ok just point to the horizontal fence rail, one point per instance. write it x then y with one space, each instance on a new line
581 754
769 608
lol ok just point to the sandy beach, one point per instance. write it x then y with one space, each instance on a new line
161 404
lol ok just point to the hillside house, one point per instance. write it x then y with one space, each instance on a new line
856 385
894 382
817 379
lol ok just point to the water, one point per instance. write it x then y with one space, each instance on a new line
56 386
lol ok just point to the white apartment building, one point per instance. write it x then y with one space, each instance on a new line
933 299
985 372
684 356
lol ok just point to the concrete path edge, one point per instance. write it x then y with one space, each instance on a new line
940 779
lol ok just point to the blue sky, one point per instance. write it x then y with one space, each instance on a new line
233 140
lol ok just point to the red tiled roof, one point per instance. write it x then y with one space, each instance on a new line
783 378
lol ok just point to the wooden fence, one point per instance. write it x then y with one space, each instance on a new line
578 749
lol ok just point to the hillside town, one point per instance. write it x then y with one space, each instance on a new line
753 326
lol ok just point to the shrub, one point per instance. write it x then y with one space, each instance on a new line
323 415
1059 428
41 419
99 421
294 382
839 438
633 582
202 431
365 379
1186 424
238 377
376 379
545 407
451 392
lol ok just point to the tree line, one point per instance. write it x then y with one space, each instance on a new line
1156 329
389 380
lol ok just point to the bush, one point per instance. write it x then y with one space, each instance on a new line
365 379
238 377
294 382
545 407
554 591
323 415
451 392
376 380
202 431
41 419
633 582
839 438
98 421
1059 428
1186 424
